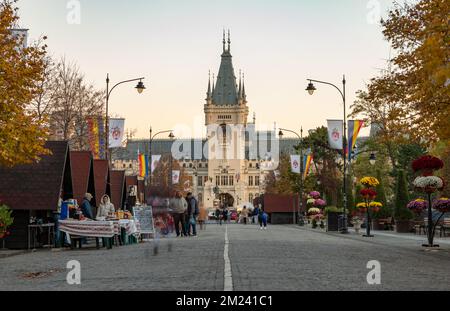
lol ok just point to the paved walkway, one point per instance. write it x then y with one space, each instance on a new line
240 257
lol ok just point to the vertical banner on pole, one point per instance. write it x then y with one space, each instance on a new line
96 136
116 131
143 165
307 164
335 134
295 163
354 127
101 137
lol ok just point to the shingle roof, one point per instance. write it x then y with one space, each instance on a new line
36 186
101 176
81 162
117 188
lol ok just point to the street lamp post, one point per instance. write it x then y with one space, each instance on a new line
139 87
171 136
372 161
300 137
311 88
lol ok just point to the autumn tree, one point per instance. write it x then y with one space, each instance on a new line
161 184
22 133
411 99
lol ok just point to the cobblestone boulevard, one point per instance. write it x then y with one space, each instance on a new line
281 258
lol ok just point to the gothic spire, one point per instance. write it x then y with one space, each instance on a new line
240 85
208 94
225 92
224 42
244 95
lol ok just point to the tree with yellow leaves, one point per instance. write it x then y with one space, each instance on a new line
22 134
412 99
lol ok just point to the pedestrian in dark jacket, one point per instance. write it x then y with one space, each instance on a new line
192 214
85 207
262 219
225 215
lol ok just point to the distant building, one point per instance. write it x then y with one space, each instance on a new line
230 171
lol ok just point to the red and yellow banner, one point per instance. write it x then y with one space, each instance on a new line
354 127
96 136
307 162
143 165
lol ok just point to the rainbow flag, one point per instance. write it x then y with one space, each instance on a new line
307 164
143 165
354 126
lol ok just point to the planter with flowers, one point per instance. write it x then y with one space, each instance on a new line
417 206
5 221
427 183
369 206
316 212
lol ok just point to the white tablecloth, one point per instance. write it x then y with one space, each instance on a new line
88 228
132 227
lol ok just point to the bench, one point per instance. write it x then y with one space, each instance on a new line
386 223
444 227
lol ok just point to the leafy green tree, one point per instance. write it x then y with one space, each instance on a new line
385 210
401 212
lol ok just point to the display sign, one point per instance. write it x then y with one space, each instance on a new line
144 214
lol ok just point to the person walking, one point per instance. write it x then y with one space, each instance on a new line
244 215
255 215
106 208
179 206
218 216
262 219
225 214
192 214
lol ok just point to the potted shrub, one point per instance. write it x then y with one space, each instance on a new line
5 221
402 214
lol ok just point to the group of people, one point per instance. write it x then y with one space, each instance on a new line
257 212
186 213
221 215
106 208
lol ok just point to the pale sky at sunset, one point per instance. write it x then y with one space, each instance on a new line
173 43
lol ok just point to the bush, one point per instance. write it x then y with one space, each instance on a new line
401 212
5 220
334 209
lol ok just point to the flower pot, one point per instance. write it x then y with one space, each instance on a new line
402 226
